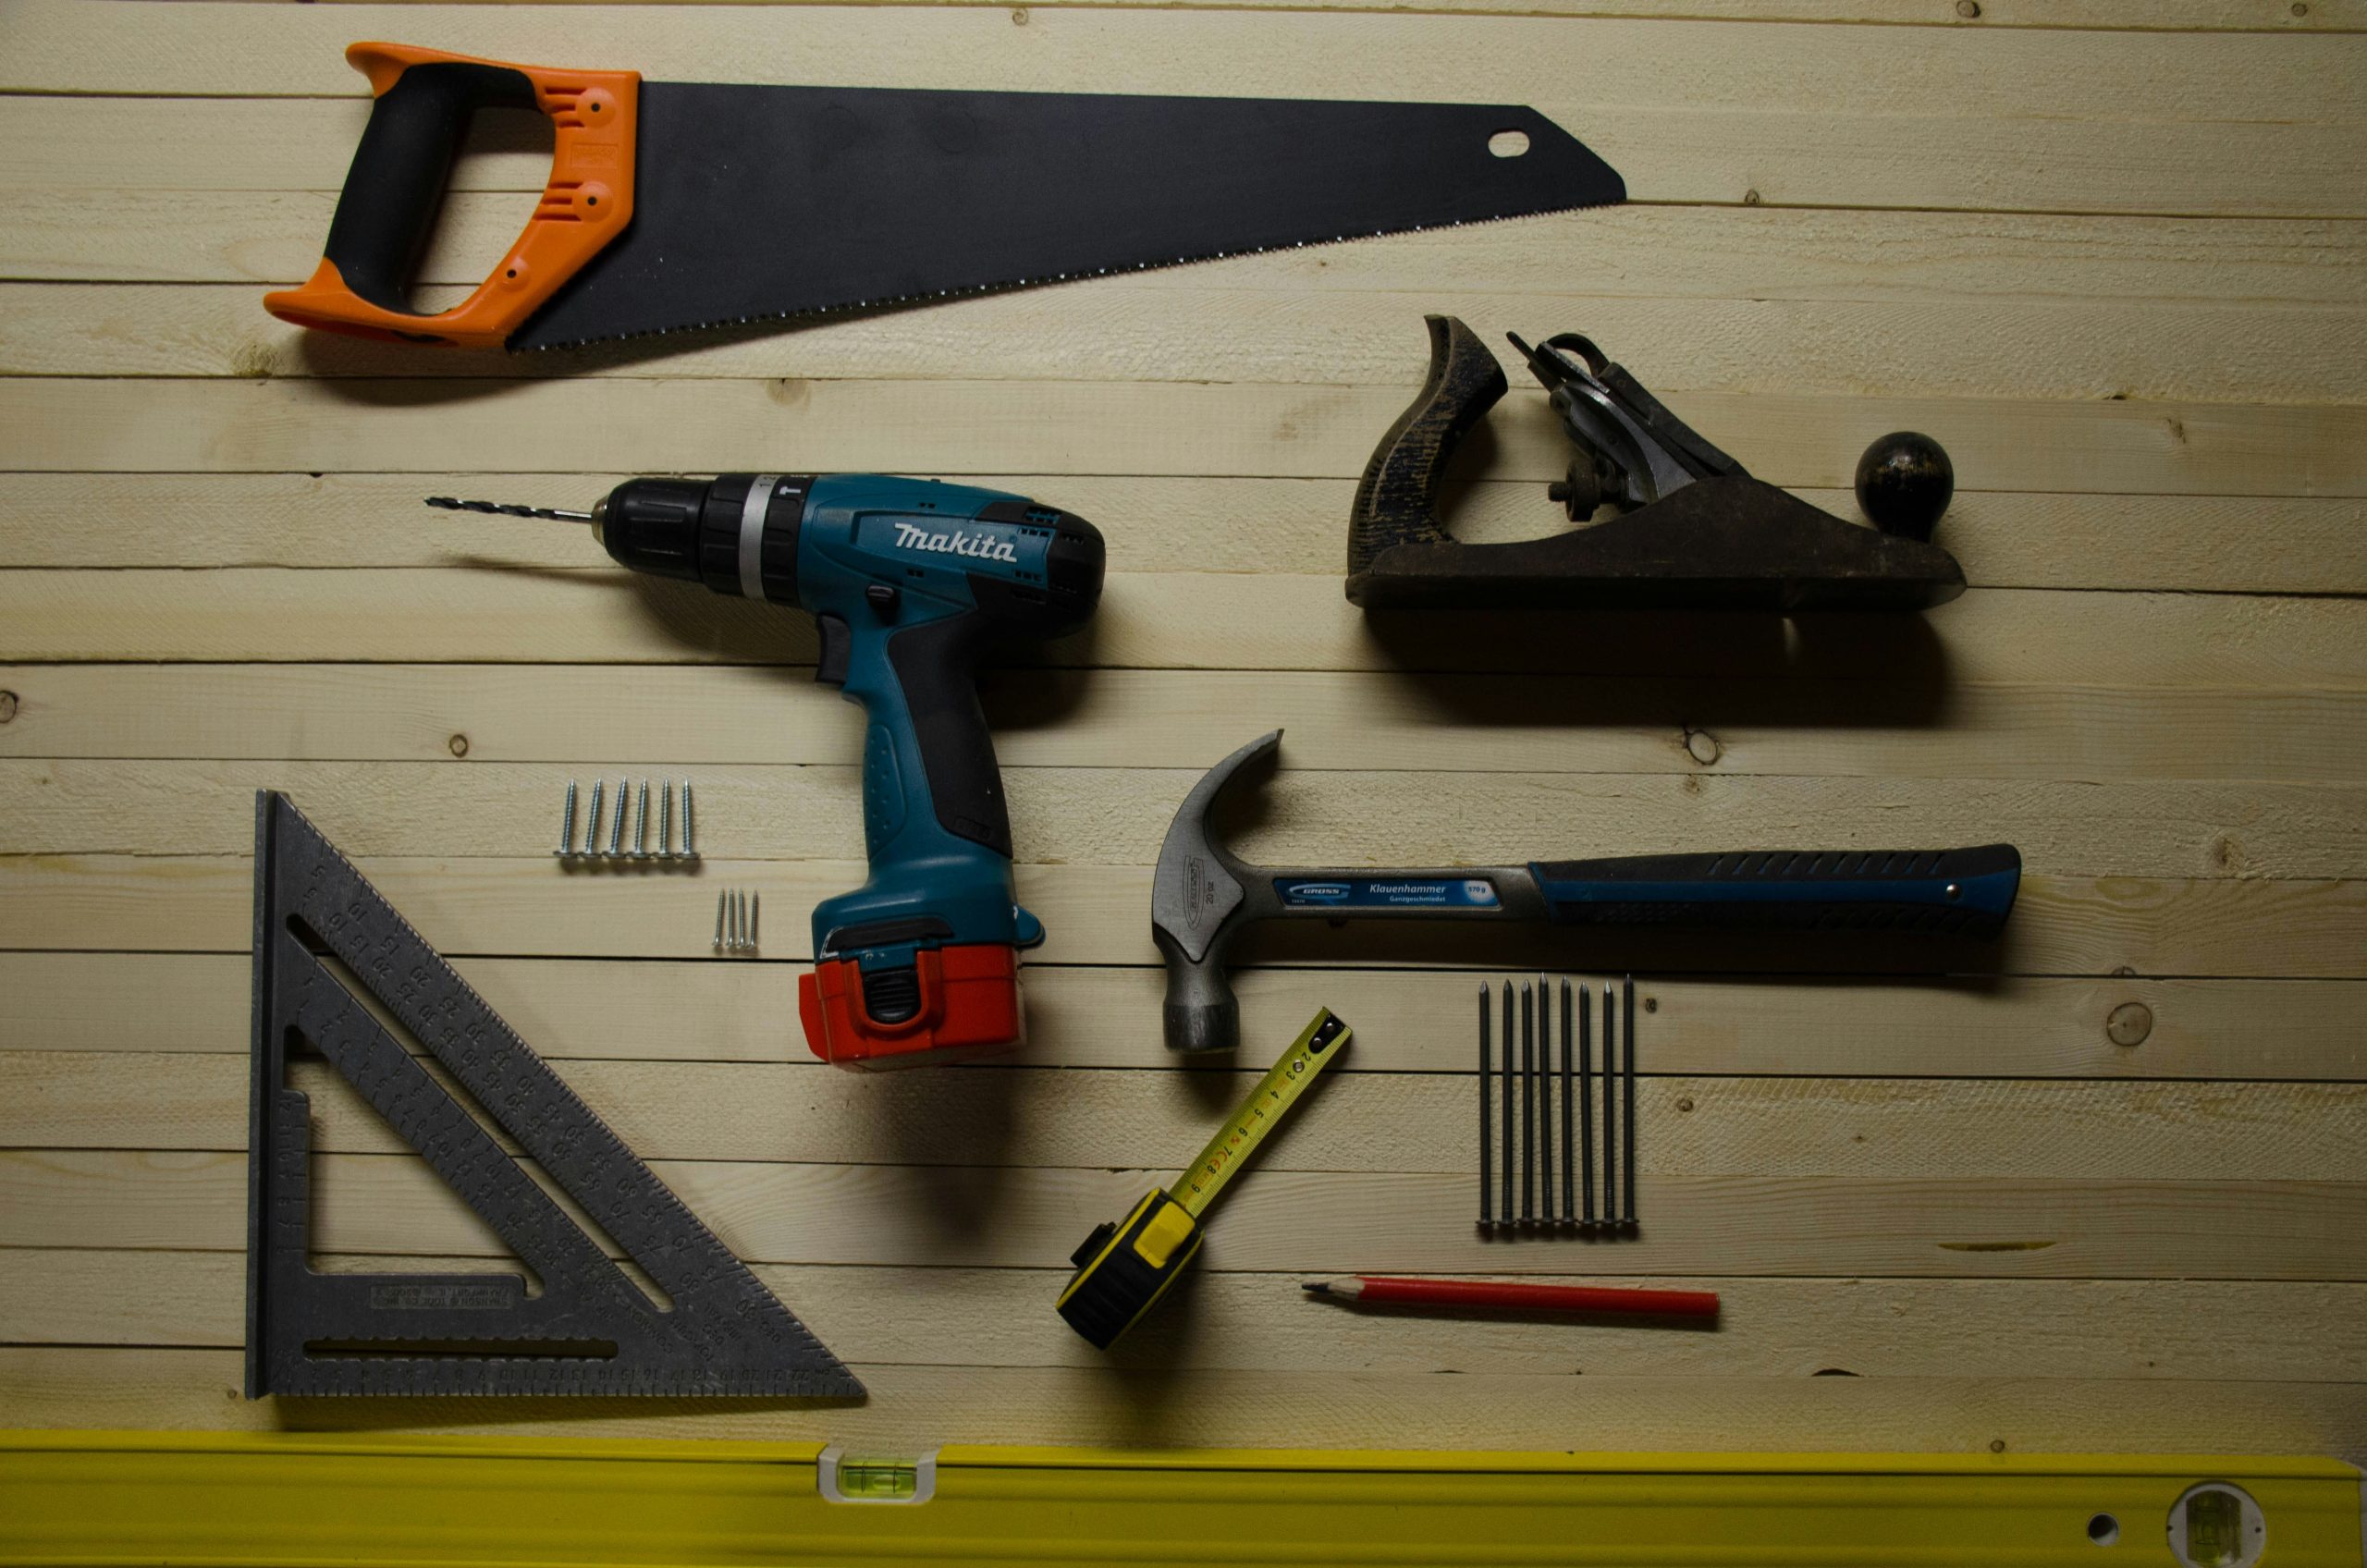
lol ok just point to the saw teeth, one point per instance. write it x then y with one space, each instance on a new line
825 313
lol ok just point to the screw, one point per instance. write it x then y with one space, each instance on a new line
720 900
567 826
755 905
641 825
689 828
666 820
592 828
617 824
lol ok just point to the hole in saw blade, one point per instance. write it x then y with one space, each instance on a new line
1508 143
381 1165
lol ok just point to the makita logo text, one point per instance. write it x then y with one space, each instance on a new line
985 546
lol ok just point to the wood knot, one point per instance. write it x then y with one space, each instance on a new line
2128 1023
7 706
459 745
1702 746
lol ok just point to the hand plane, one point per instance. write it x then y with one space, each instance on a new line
1691 528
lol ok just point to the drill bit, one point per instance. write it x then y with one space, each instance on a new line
1487 1220
592 828
506 508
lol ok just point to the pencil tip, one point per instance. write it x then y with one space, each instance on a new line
1321 1287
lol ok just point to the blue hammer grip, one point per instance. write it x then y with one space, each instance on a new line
1947 891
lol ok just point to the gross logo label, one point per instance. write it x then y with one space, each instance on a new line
978 544
1389 892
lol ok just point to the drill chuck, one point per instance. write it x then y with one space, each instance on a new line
737 532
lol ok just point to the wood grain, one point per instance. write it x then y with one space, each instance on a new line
659 717
243 55
910 1410
2061 926
2168 1329
1989 636
62 423
1315 1222
1410 1020
2211 543
1119 816
1373 1123
1130 329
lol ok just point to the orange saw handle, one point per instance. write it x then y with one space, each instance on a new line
423 101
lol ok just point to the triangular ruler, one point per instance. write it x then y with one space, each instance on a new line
592 1330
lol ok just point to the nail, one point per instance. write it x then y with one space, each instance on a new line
1528 1106
1505 1210
1545 1101
1628 1007
1610 1106
1586 1103
1569 1144
1487 1175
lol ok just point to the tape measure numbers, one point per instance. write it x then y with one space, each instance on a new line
1125 1266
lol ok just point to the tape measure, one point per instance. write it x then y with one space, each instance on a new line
1125 1266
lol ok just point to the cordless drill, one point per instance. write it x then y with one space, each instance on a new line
911 584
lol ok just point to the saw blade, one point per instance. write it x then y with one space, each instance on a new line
760 203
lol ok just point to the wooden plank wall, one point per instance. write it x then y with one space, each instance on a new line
2101 1190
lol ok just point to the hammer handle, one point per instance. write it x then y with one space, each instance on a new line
1941 890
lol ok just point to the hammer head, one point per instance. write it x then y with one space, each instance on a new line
1197 898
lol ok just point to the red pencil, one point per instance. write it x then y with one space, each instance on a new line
1503 1295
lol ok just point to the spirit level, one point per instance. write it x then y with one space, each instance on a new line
409 1503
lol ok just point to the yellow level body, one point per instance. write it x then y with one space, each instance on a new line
92 1497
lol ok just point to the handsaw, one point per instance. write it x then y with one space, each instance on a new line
681 205
592 1330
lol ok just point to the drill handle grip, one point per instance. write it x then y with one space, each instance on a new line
932 668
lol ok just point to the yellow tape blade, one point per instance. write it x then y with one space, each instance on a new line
1322 1040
